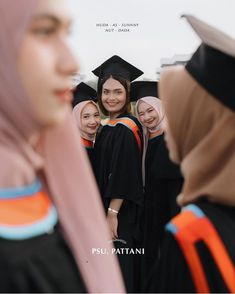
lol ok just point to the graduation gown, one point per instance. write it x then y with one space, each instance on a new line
163 182
172 273
118 174
34 256
89 147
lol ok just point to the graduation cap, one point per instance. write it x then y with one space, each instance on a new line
141 89
83 92
213 63
117 66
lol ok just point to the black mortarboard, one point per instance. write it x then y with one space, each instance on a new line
83 92
119 67
213 64
140 89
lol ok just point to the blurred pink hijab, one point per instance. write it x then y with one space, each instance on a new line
61 160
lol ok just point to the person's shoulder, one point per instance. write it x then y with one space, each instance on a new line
124 123
217 211
158 141
134 119
185 220
220 217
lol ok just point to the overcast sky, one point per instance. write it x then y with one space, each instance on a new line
158 32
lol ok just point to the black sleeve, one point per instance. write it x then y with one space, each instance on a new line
125 180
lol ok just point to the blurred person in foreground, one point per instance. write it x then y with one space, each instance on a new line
51 217
199 250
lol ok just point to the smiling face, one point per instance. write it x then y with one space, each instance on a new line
46 63
148 116
90 119
113 97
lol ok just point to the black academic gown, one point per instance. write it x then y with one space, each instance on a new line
172 274
90 153
163 182
118 174
89 147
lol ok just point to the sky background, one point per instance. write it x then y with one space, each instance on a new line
160 33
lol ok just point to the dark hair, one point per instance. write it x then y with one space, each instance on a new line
125 83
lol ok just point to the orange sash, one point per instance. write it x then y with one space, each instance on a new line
26 212
157 133
191 226
130 124
87 143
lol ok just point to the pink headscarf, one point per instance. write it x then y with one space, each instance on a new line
157 105
77 113
62 160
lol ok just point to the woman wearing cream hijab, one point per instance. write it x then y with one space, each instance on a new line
162 178
198 253
47 191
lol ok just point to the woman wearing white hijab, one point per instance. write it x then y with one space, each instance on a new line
163 180
199 249
47 192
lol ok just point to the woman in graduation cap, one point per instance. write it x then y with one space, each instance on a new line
118 151
198 253
163 180
49 204
87 116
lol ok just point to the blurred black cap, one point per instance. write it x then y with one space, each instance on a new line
213 63
83 92
140 89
